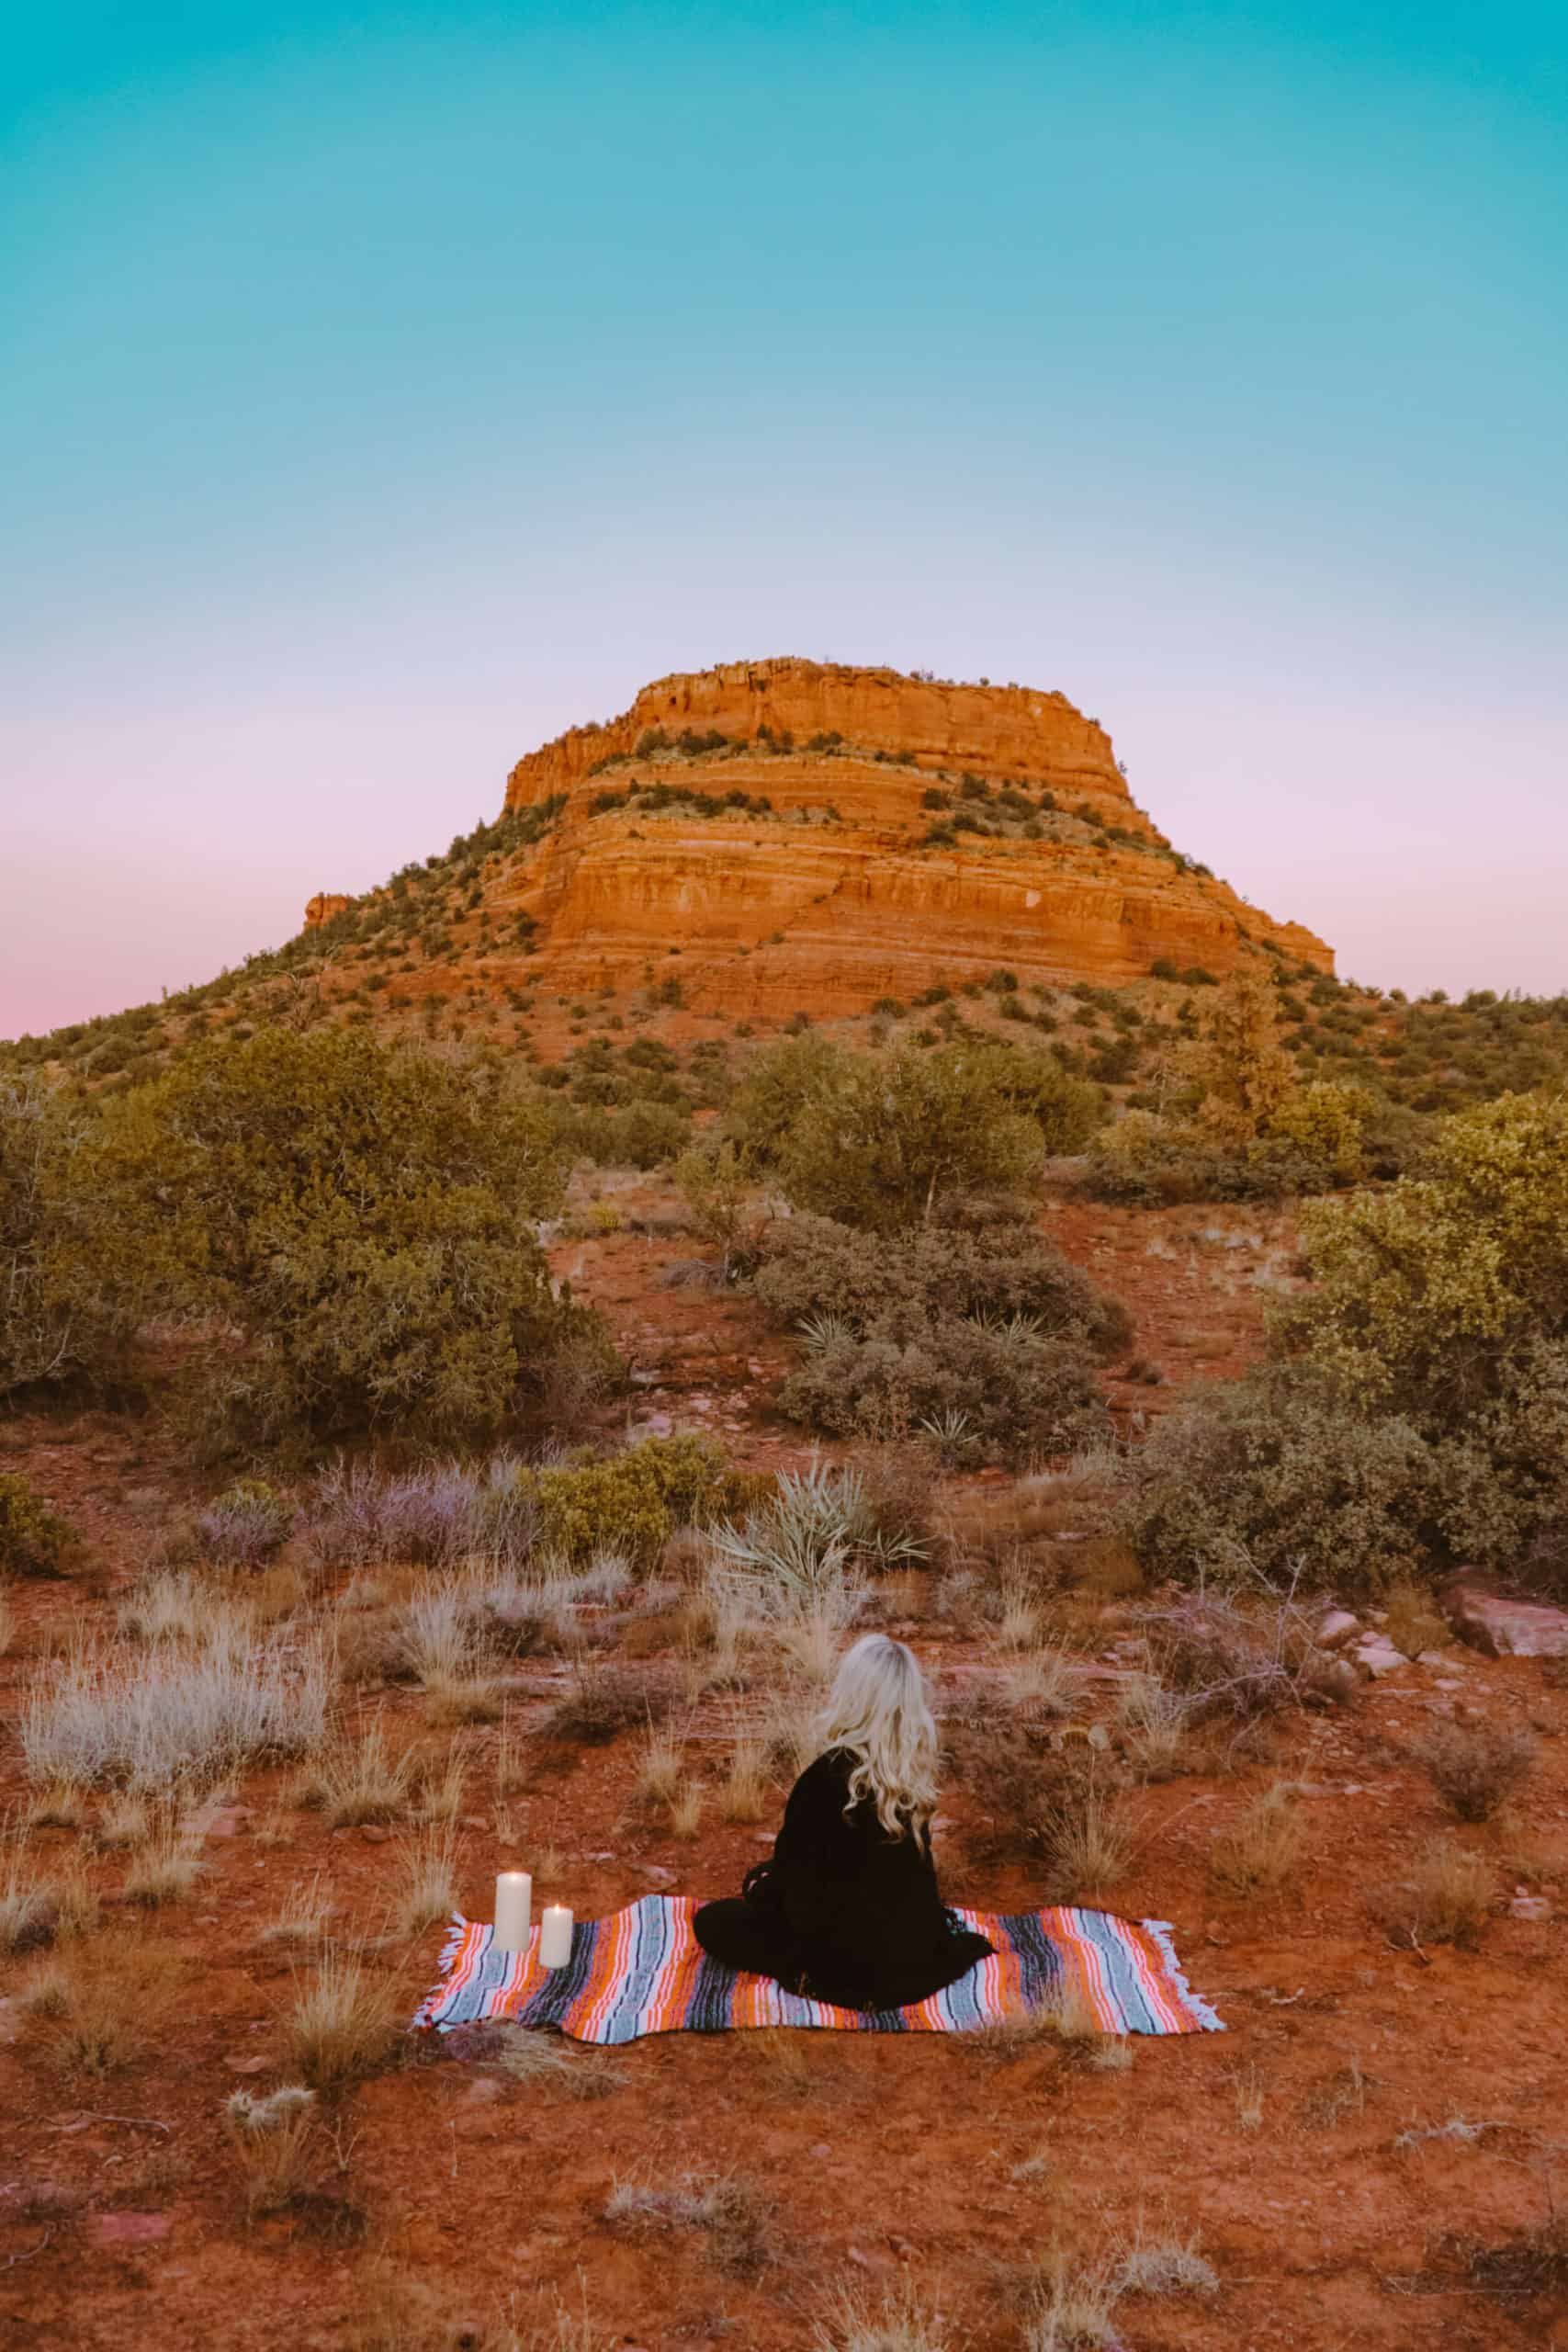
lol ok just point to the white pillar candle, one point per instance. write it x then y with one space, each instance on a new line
555 1935
513 1910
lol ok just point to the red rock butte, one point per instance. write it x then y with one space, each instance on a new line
814 837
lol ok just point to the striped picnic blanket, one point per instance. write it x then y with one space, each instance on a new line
642 1971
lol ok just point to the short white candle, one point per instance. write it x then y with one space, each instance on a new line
555 1935
513 1910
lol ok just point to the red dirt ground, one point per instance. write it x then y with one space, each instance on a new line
1290 2148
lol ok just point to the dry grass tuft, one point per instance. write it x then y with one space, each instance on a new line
362 1782
1156 2263
732 2215
1087 1847
1261 1850
602 1701
107 2003
1446 1899
895 2319
178 1716
430 1880
687 1809
1155 1723
745 1796
660 1767
273 2138
303 1917
1072 2305
165 1869
342 2023
546 2062
1476 1766
1410 1620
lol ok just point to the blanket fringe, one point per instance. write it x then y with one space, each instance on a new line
1163 1932
425 2014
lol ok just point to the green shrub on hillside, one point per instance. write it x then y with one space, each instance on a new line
53 1322
878 1143
359 1216
975 1332
1418 1408
33 1539
1422 1294
1271 1478
632 1502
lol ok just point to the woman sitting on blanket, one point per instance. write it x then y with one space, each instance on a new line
847 1911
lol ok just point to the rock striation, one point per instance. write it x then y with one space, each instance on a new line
811 837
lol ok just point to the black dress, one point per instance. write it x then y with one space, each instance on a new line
842 1913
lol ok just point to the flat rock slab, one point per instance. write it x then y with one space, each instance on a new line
128 2229
1501 1624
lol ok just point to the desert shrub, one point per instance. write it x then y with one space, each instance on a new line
816 1526
632 1502
51 1321
638 1134
876 1145
361 1216
247 1525
1445 1898
1424 1294
979 1261
33 1539
977 1333
1313 1144
774 1091
1231 1663
1274 1476
179 1715
360 1516
1475 1768
600 1702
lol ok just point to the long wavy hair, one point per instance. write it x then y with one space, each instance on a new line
877 1709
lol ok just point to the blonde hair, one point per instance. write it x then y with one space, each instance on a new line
877 1709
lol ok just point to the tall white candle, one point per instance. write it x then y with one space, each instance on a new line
513 1910
555 1935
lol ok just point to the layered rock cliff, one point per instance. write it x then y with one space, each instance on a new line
811 837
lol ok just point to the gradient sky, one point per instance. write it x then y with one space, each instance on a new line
386 388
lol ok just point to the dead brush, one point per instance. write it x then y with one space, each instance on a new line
361 1782
1155 1729
1261 1849
662 1765
730 2213
342 2023
745 1793
1475 1768
1410 1620
429 1865
860 2318
1240 1665
1026 1781
1445 1898
273 2139
1085 1847
107 2002
602 1701
545 2061
166 1868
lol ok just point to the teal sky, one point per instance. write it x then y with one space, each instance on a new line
385 389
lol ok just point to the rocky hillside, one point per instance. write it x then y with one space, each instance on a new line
812 837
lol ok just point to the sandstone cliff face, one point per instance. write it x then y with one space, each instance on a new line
792 866
837 867
323 907
1007 732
